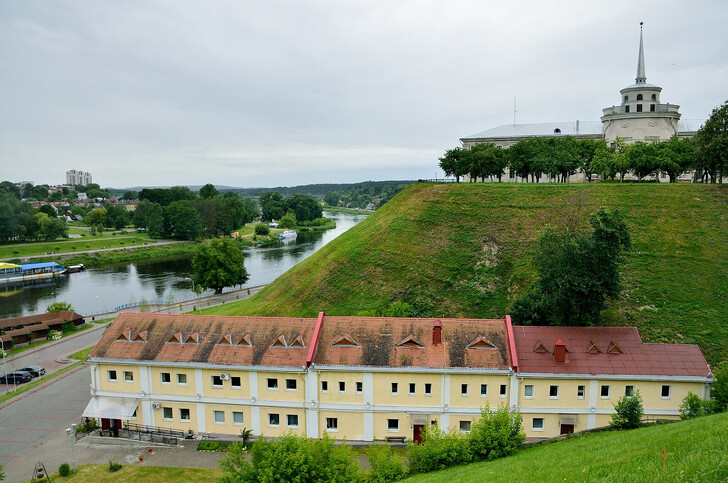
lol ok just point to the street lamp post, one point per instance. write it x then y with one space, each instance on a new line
103 301
193 286
71 432
5 368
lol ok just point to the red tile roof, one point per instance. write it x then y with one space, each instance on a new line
636 357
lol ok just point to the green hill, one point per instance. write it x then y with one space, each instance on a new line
465 250
695 450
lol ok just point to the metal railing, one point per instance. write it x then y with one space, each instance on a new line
152 434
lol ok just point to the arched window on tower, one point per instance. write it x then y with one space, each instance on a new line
639 97
557 131
654 97
626 98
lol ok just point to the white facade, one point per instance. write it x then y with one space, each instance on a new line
74 178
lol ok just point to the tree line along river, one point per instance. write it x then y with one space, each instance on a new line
101 289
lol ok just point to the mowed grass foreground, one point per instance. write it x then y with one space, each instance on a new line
695 450
465 250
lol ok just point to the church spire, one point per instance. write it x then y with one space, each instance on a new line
641 78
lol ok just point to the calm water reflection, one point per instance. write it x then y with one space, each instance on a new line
102 289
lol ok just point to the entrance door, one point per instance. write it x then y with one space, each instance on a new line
417 436
105 423
567 429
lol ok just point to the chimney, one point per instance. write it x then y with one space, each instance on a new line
437 333
559 350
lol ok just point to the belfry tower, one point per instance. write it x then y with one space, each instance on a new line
640 117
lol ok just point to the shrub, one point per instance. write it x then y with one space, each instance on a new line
208 446
262 229
719 391
692 406
438 450
497 433
54 335
68 326
64 470
384 464
245 434
629 412
114 466
59 306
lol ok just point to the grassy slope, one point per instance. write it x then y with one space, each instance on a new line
467 249
695 450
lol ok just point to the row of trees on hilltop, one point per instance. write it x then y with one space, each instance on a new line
298 207
558 158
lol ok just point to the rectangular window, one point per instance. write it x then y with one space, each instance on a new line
639 107
503 390
605 392
359 387
184 414
167 414
392 424
652 108
537 424
626 108
332 424
216 381
580 391
483 390
237 417
111 376
465 426
128 376
235 382
181 379
628 390
324 386
274 419
395 388
272 384
528 391
428 389
166 377
553 392
463 389
218 417
291 385
666 392
292 420
412 387
342 387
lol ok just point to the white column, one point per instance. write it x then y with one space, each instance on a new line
369 426
445 402
255 419
368 382
201 426
145 384
199 383
311 403
254 410
253 383
591 419
513 396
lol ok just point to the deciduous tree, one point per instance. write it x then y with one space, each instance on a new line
219 264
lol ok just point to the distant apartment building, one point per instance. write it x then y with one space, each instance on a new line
74 178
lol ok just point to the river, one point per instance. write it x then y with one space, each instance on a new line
102 289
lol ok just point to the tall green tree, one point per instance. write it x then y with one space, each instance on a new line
454 163
676 156
712 144
208 191
273 205
219 264
643 159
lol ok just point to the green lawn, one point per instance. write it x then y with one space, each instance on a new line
694 450
72 245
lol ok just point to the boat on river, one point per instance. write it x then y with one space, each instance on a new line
288 235
10 272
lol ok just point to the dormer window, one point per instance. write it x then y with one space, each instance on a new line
410 342
557 131
639 97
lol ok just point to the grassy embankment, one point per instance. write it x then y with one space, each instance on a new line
695 450
466 250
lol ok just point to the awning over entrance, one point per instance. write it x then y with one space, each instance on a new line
111 407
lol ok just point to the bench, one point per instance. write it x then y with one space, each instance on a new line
396 439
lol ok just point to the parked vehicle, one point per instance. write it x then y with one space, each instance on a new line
35 371
17 377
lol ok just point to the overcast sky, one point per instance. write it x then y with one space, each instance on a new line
276 93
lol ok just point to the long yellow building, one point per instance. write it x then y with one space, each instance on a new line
376 379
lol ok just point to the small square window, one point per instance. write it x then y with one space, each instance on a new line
428 389
272 384
463 389
237 417
392 424
184 414
605 392
553 392
324 386
128 376
274 419
111 376
628 390
216 381
665 392
332 424
167 414
483 390
292 420
218 417
503 390
580 391
528 391
537 424
359 387
412 388
166 377
465 426
342 387
395 388
181 379
291 385
235 382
